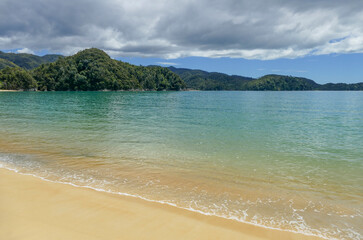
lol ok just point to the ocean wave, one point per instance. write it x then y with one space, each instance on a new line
301 227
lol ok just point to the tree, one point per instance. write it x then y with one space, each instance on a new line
16 78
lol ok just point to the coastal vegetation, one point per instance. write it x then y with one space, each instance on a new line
93 70
342 86
16 78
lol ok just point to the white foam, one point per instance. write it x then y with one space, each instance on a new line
303 231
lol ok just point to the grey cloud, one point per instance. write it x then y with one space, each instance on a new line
264 29
146 49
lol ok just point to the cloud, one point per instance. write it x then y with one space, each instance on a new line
168 63
25 50
265 29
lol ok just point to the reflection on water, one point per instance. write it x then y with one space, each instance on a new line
289 160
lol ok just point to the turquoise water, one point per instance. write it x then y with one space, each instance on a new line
285 160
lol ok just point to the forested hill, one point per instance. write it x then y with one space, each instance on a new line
5 63
90 70
27 61
281 83
202 80
286 83
93 70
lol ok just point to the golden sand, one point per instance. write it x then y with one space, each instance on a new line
32 208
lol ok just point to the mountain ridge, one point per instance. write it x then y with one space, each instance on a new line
202 80
27 60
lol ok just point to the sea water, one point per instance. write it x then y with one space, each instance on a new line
285 160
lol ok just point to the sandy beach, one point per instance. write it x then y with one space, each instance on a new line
32 208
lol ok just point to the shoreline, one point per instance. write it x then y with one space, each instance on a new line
33 208
4 90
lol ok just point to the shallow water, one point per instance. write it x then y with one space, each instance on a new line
286 160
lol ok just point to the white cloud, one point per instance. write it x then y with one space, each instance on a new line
351 44
25 50
167 63
265 29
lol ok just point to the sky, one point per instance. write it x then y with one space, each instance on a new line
317 39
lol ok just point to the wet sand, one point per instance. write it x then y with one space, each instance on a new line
32 208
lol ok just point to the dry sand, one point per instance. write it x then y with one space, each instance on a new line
31 208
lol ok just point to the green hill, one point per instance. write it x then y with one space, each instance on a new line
93 70
202 80
342 86
28 61
50 58
5 63
281 83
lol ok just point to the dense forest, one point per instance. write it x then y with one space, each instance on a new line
14 78
5 63
93 70
90 70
